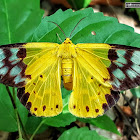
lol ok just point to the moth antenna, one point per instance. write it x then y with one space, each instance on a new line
76 26
59 37
58 27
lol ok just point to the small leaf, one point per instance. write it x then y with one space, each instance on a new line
33 123
61 120
103 122
81 134
136 92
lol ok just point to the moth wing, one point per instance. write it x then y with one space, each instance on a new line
12 67
38 75
121 61
92 94
12 57
125 67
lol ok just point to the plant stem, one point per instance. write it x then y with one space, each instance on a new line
136 120
31 138
19 122
126 119
74 4
132 108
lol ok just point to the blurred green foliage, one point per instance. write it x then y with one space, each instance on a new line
78 4
136 92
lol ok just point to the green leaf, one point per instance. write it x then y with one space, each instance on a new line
8 120
33 123
18 20
136 92
103 122
78 4
61 120
81 134
107 29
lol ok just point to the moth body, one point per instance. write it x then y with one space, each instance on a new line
67 53
67 72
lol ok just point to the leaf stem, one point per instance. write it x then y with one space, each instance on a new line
19 121
31 138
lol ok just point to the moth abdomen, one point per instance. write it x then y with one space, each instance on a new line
67 72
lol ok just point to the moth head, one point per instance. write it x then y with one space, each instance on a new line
67 41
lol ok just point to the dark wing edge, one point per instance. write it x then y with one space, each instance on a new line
125 60
12 68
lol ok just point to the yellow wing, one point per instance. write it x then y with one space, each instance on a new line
92 93
42 92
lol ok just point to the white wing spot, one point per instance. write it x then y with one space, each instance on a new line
18 79
136 57
132 74
1 64
119 74
15 71
2 55
3 70
136 68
